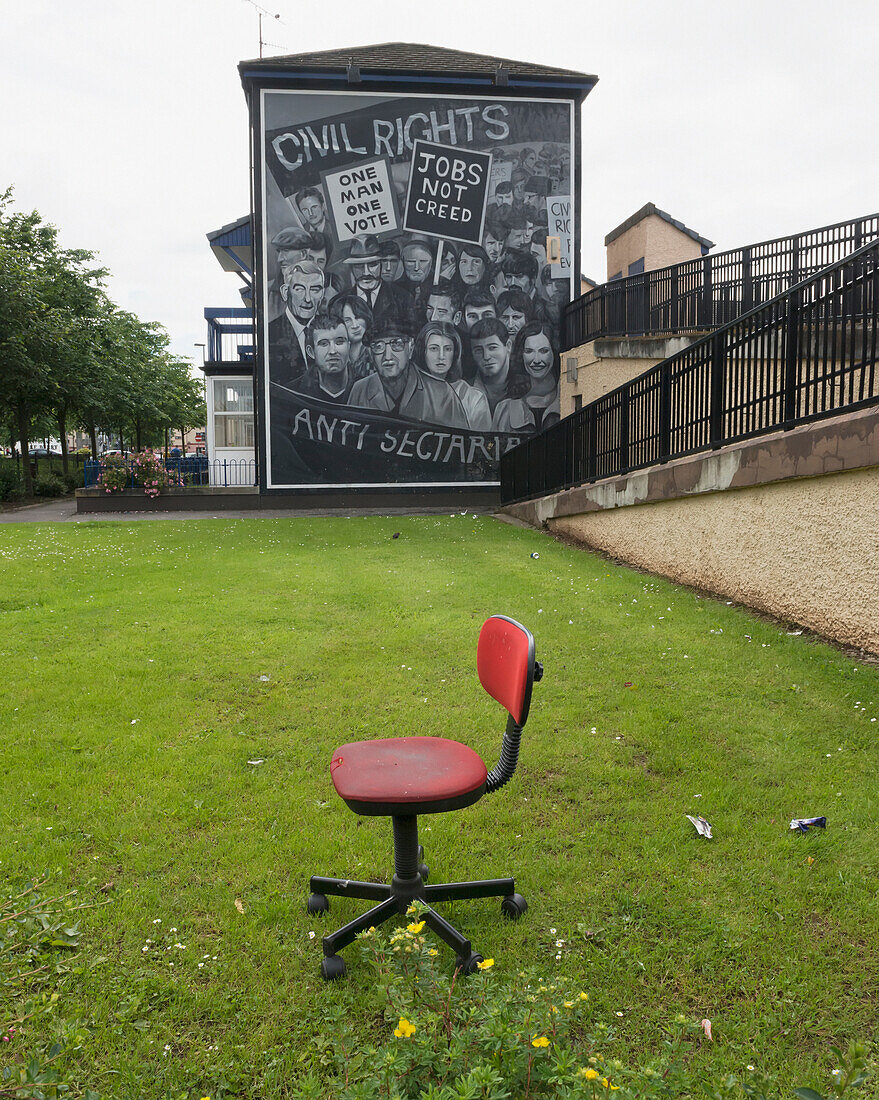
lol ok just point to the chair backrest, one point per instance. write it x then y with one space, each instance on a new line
505 663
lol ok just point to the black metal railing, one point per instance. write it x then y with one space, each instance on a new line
192 471
809 353
713 290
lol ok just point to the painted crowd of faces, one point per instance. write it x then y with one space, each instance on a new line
506 277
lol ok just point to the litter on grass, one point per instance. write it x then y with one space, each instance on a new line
535 554
700 825
802 824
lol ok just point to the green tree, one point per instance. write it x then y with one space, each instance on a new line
46 295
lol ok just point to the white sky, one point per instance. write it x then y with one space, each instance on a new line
125 124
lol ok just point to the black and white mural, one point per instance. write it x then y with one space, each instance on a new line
417 254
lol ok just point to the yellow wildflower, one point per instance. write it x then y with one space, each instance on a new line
404 1029
584 996
591 1074
553 1008
433 951
485 964
415 928
568 1004
540 1041
412 910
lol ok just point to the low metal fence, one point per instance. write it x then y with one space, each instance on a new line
809 353
189 472
713 290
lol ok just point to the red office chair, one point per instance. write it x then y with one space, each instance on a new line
402 777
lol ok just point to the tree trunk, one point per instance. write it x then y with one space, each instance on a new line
183 441
166 444
93 437
62 435
23 422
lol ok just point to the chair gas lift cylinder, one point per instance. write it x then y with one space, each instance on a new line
403 777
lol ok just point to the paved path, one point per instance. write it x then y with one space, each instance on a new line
64 511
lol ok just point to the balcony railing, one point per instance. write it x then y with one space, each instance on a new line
712 291
807 354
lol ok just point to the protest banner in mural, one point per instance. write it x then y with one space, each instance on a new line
313 440
559 221
409 323
448 188
361 199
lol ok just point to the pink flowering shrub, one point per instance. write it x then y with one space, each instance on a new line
146 469
149 471
114 477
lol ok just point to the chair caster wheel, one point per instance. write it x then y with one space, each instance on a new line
332 967
424 871
317 903
513 906
468 966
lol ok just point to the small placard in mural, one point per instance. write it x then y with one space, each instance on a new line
448 189
558 225
361 199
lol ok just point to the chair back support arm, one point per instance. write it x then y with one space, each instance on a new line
505 768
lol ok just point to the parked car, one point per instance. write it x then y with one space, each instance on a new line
114 451
41 452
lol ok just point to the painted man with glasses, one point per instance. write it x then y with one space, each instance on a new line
398 387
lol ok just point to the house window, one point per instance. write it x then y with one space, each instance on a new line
637 268
233 412
578 402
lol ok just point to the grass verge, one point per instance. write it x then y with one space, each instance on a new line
147 666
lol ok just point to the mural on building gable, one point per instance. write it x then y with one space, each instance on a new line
416 260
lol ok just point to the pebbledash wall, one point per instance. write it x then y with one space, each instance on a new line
787 524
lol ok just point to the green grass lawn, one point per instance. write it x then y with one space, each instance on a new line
145 665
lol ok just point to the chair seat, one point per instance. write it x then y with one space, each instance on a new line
407 775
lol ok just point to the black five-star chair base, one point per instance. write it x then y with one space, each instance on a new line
408 884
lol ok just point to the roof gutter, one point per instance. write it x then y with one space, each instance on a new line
574 84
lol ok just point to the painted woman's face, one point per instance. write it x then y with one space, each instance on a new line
355 325
537 355
471 268
439 354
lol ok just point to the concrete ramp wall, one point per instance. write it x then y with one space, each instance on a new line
787 524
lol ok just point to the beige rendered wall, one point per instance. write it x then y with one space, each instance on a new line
787 523
803 550
602 365
659 242
667 245
627 248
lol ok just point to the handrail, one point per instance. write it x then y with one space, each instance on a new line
808 353
705 293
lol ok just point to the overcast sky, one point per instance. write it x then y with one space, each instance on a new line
125 124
